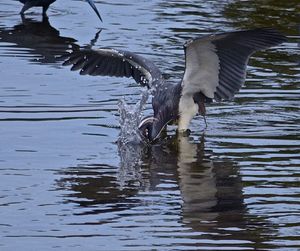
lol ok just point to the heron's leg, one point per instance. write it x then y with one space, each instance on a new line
25 7
45 8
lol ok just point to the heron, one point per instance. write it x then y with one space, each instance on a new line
46 3
215 70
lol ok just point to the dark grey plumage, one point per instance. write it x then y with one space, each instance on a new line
215 68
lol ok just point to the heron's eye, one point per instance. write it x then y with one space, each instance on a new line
146 132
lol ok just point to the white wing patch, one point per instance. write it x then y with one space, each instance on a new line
202 69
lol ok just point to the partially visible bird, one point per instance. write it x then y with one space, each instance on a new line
46 3
215 69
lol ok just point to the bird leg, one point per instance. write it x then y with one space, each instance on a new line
45 8
26 6
202 111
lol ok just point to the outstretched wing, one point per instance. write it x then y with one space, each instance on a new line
216 64
109 62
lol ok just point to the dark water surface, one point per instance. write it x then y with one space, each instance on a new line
66 185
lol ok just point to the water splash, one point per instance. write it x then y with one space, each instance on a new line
131 145
130 169
130 118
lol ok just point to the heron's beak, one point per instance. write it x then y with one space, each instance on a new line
92 4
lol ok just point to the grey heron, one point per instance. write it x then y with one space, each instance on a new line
46 3
215 69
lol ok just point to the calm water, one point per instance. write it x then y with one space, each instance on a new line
65 184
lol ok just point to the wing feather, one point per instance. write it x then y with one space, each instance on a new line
109 62
216 64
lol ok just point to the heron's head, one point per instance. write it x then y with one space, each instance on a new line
146 128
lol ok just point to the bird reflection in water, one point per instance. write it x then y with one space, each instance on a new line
207 190
45 44
211 188
207 186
